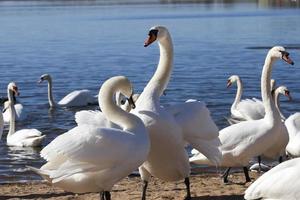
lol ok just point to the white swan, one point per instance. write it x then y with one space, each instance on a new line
75 98
93 159
168 159
24 137
20 111
245 140
246 109
292 124
280 183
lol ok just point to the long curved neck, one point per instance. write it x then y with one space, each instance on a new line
12 125
277 104
114 113
238 95
163 71
50 94
269 106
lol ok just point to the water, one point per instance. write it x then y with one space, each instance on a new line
82 45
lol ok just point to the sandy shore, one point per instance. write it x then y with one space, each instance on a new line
205 186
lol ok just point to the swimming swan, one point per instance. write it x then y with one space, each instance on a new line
75 98
23 137
245 140
92 159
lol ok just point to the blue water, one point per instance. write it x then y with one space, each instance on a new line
82 45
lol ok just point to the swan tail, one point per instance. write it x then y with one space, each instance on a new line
37 141
209 152
42 173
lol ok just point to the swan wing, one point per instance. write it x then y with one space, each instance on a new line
94 118
78 98
104 147
281 182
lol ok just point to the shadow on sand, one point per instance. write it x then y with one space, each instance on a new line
222 197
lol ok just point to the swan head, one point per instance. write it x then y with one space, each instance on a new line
44 77
284 91
12 86
156 33
232 79
280 52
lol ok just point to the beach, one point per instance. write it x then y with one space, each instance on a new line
204 186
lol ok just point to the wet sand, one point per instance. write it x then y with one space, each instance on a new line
204 186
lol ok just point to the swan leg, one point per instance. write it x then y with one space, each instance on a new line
248 179
102 195
107 195
225 175
259 164
145 185
188 191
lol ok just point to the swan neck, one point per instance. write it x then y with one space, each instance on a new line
113 112
50 94
277 103
12 112
238 95
268 102
163 71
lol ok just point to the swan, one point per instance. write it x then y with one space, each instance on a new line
280 183
23 137
75 98
92 159
20 111
247 139
167 159
292 124
246 109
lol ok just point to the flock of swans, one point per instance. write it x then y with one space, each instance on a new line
108 145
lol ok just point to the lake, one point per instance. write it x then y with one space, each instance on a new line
81 44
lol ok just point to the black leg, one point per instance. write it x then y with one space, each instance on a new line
225 175
248 179
102 195
280 159
107 195
188 191
145 185
259 164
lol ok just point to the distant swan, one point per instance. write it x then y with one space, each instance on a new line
75 98
23 137
246 109
245 140
280 183
88 158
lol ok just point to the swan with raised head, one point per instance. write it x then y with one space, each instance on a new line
75 98
168 159
292 124
280 183
88 158
23 137
245 140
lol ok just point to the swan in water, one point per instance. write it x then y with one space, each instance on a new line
20 111
292 124
88 158
280 183
247 139
168 159
75 98
23 137
246 109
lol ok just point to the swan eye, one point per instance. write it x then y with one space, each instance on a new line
153 32
123 101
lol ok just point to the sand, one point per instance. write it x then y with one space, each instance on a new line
204 186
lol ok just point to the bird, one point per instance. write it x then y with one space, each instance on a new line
245 140
89 158
76 98
23 137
